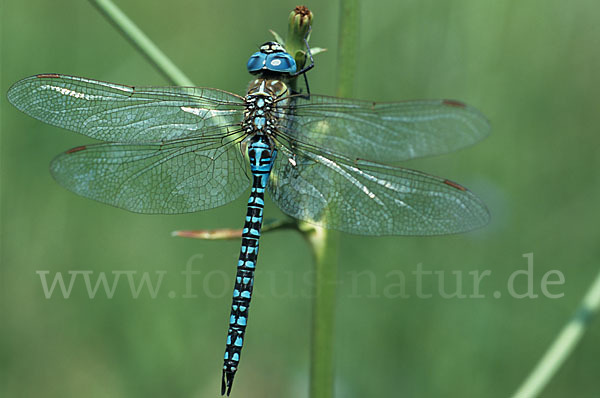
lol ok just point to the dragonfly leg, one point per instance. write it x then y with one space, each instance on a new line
306 68
312 62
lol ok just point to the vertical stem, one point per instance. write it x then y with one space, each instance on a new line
347 46
325 246
326 243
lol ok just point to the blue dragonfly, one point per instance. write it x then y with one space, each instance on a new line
323 160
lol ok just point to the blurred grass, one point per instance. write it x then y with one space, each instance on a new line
530 66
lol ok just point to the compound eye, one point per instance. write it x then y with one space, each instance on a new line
256 62
281 62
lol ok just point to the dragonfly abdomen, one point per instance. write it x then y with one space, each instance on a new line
261 162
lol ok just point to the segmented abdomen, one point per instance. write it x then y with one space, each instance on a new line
261 161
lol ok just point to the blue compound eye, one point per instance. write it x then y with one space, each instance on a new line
281 62
256 62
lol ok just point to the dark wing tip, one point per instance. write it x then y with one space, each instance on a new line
447 182
47 75
479 211
454 103
76 149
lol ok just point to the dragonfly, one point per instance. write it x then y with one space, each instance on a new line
324 160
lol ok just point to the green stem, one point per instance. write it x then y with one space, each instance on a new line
562 346
325 243
325 247
347 46
142 42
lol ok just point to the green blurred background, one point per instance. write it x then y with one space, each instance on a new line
531 66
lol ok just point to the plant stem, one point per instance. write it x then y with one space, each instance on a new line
144 45
325 247
347 47
325 243
563 345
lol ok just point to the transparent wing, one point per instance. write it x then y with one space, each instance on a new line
383 132
368 199
118 113
175 177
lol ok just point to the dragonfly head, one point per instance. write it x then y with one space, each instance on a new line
271 57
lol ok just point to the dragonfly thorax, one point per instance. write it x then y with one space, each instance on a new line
261 102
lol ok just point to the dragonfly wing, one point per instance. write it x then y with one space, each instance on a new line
176 177
368 199
117 113
383 132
